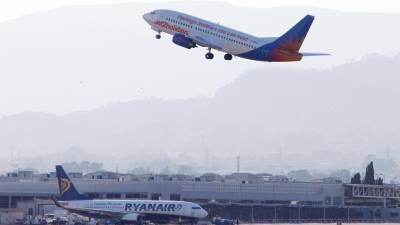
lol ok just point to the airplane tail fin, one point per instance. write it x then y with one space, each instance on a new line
67 189
286 47
293 39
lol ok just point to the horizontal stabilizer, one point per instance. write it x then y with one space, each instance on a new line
314 54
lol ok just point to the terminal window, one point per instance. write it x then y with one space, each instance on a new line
93 195
113 195
175 197
30 211
27 198
198 200
156 196
327 200
14 200
139 195
4 201
337 200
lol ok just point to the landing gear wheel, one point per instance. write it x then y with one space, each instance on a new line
228 57
209 55
158 36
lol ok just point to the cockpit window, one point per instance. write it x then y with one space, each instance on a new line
196 207
154 12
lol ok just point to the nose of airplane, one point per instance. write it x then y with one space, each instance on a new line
146 17
204 213
149 17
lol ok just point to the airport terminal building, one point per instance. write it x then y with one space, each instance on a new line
244 196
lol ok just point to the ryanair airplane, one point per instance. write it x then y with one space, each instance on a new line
125 211
190 32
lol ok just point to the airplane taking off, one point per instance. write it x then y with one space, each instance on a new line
125 211
189 32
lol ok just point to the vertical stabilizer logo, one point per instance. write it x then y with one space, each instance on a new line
65 184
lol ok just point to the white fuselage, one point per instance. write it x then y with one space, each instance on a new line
132 209
231 41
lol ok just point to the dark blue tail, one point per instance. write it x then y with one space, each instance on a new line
293 39
68 191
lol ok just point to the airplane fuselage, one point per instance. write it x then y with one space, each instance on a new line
231 41
136 210
133 211
189 32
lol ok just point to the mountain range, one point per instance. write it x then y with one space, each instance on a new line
275 119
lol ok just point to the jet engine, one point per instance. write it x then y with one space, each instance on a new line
131 217
183 41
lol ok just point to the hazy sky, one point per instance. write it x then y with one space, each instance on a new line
80 58
109 68
12 8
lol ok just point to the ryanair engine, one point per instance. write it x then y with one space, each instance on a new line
131 217
183 41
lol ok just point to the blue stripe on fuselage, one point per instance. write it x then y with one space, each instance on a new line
259 54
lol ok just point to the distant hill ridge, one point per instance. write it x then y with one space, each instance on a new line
299 118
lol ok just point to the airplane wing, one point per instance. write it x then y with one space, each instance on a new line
106 214
98 213
205 42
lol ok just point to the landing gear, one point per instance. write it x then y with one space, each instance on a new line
158 36
209 55
180 222
228 57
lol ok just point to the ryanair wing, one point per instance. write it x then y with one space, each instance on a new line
93 213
